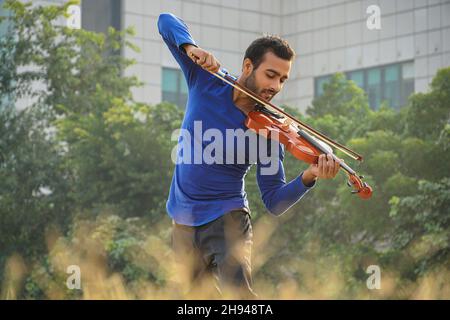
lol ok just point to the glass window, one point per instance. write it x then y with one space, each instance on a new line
374 87
319 84
392 85
391 73
357 77
99 15
407 86
408 70
170 80
174 88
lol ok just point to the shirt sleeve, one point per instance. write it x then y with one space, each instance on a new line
277 195
175 34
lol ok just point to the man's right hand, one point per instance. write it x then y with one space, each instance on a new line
202 57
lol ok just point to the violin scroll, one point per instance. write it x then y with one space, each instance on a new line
362 189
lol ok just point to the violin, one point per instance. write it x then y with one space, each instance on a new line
301 140
301 145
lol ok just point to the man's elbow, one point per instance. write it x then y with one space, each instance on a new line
274 209
163 19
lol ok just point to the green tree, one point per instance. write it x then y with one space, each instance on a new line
404 226
82 143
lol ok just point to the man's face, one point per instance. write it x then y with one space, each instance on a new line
268 79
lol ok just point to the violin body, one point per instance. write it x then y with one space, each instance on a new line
263 124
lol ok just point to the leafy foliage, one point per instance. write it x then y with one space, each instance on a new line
86 170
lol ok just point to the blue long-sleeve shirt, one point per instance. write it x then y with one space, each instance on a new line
202 192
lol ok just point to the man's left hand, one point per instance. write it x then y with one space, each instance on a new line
326 168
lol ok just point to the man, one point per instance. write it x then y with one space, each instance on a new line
212 231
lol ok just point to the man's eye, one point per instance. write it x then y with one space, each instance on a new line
270 76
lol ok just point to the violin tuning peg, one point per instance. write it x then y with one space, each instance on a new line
349 184
365 185
361 177
355 191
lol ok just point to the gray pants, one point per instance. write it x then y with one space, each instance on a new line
219 250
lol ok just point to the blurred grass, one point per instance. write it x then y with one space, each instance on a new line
311 277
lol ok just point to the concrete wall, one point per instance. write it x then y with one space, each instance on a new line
328 36
332 36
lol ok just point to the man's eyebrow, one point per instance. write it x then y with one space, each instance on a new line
276 72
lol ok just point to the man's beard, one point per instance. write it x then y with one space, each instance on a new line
250 83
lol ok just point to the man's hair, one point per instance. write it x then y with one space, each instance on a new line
258 48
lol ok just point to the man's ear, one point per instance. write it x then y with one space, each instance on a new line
247 67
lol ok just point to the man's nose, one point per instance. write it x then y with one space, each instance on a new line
275 87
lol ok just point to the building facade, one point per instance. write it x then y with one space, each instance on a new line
328 36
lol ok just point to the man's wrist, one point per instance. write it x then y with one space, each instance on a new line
187 47
308 179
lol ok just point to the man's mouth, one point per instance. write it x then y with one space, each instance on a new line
267 96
